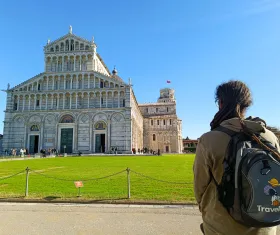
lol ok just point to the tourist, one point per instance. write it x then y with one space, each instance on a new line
233 99
21 152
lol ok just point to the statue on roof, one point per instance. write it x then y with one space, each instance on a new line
92 41
70 29
8 86
49 41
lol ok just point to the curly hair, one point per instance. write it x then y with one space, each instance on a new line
235 98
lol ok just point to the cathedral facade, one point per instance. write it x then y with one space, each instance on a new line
78 105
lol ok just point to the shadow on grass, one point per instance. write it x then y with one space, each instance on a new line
51 198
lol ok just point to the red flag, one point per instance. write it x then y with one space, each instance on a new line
168 81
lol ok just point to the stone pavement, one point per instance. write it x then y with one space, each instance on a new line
48 219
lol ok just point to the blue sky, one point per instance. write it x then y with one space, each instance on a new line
195 44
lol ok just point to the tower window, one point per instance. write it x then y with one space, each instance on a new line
147 110
167 109
154 137
101 100
170 122
156 109
152 122
37 103
163 122
158 122
123 102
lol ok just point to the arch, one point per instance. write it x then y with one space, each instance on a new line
87 48
67 118
67 45
76 45
56 48
52 50
100 125
100 116
72 45
62 46
34 128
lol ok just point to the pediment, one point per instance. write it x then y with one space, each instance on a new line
56 45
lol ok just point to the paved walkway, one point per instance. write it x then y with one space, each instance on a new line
95 219
48 219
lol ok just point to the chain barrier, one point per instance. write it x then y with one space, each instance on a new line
163 181
85 180
10 176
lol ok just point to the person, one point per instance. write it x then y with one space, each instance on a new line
233 99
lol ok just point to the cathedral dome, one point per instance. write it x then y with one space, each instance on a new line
115 71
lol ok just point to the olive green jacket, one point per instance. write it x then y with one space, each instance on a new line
208 166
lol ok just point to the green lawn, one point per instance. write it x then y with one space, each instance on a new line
174 168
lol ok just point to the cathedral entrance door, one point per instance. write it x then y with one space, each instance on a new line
33 143
66 140
100 143
167 149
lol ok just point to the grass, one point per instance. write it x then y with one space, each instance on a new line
174 168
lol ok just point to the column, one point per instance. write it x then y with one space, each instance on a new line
109 135
23 103
80 63
47 83
18 102
56 64
29 99
53 84
88 81
88 100
74 63
58 83
32 87
40 100
64 83
118 99
46 102
52 100
70 101
76 100
62 64
71 84
106 100
57 101
83 82
63 99
35 100
100 100
93 82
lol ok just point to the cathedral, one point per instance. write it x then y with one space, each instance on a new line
78 106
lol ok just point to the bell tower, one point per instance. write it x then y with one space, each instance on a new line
167 96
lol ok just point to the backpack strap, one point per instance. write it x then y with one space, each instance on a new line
229 132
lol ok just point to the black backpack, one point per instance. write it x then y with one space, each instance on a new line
250 186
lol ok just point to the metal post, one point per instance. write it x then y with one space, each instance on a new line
26 184
79 192
128 182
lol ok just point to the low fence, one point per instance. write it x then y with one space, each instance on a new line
128 174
